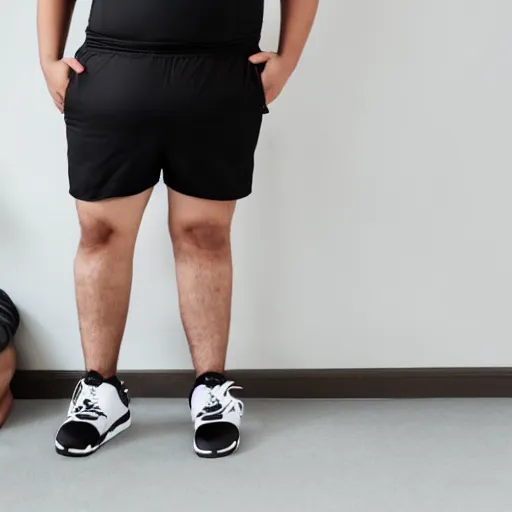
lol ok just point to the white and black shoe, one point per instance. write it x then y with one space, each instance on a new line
97 413
216 415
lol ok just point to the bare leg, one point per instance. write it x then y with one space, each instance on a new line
200 232
103 276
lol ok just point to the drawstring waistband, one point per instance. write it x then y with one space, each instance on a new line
95 41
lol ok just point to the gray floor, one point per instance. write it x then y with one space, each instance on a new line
343 456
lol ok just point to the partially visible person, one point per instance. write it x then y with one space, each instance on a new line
7 366
9 322
177 87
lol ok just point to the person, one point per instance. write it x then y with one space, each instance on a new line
172 86
9 323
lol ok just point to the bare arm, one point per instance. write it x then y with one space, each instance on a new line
53 21
297 18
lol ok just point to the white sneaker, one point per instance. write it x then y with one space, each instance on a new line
97 413
216 415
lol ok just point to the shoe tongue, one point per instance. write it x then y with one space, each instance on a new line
209 380
212 379
93 379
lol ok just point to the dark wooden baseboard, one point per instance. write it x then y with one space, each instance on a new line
371 383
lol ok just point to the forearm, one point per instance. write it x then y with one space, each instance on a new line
297 18
53 21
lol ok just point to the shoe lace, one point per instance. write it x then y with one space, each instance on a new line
220 397
86 403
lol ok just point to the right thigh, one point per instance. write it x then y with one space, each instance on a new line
120 217
112 144
104 164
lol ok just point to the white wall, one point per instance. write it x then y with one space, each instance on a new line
379 231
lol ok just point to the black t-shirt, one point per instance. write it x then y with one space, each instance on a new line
178 21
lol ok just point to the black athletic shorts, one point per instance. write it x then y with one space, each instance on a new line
137 111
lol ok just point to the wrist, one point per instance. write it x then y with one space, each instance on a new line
289 62
47 60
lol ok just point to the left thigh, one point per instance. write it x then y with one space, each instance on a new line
211 156
189 214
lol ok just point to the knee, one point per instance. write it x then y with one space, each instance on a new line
95 234
202 235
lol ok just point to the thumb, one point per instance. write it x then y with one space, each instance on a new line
74 65
260 58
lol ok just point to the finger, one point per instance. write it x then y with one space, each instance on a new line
74 65
60 107
58 97
260 58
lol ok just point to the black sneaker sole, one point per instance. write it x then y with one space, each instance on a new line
203 454
119 426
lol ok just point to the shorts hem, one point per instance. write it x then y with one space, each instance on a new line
210 197
93 198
